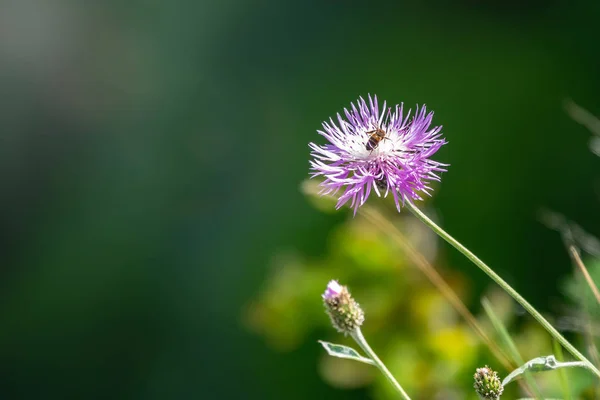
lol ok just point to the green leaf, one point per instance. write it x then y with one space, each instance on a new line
540 364
337 350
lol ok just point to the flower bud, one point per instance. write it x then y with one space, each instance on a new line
487 384
345 313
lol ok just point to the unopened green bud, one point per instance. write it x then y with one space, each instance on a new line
487 384
345 313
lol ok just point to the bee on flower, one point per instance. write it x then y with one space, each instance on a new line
380 150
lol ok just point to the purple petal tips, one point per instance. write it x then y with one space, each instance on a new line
333 289
380 150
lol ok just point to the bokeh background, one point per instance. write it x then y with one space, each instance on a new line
151 161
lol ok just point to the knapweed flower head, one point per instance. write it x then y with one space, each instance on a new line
487 384
378 149
345 313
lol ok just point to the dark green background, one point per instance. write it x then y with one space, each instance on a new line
152 151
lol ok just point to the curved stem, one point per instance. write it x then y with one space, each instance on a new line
503 284
360 339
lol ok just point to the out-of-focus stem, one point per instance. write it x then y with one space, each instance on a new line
575 256
436 279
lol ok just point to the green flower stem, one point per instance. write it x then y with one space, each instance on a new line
496 278
360 339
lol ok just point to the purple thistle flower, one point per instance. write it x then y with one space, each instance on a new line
378 150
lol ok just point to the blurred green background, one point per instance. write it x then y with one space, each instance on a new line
152 154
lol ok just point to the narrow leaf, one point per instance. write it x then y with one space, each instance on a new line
540 364
337 350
